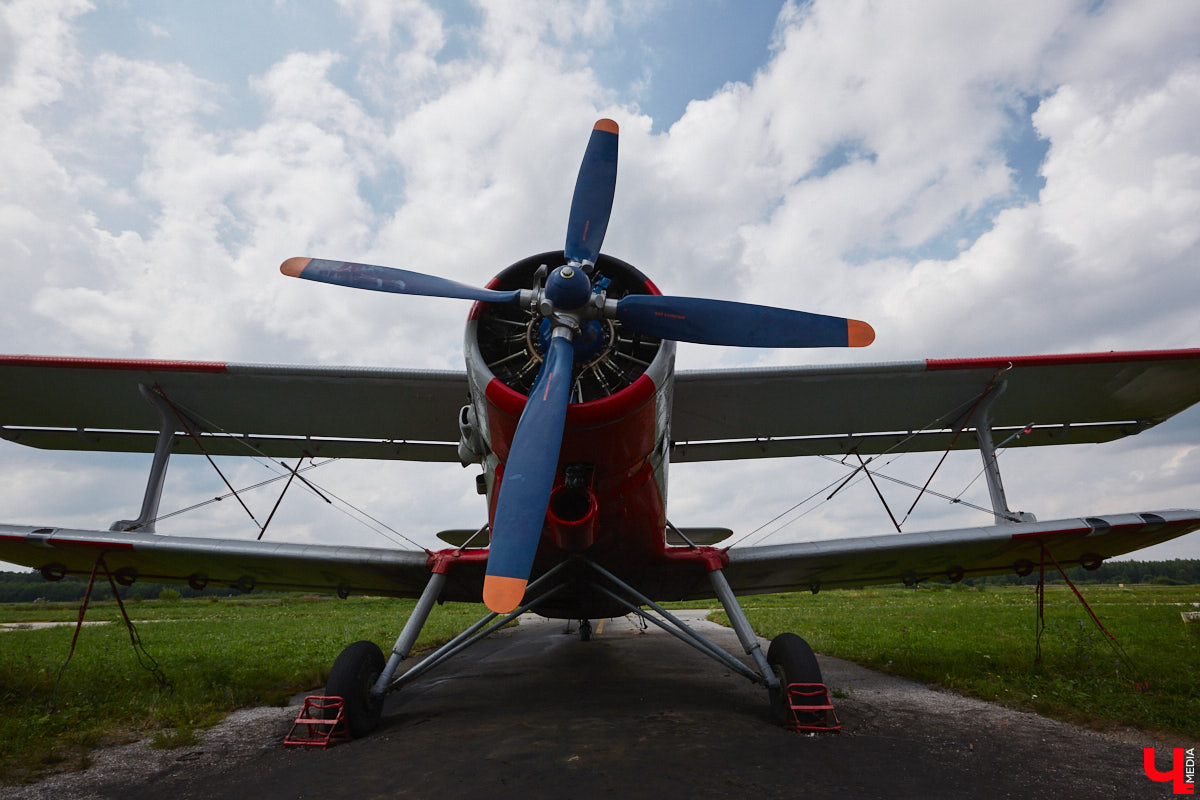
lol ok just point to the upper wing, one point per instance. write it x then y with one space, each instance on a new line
919 405
234 409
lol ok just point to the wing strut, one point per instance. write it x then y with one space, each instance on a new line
158 467
983 404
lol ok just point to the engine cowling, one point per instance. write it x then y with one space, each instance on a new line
510 340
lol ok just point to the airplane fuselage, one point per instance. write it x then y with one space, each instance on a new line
610 489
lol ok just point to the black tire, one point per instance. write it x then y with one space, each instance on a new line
585 630
351 678
794 662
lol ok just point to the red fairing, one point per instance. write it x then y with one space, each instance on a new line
573 517
616 435
615 432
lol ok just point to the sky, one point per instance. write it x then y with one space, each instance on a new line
973 179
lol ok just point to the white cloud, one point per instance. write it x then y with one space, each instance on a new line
136 220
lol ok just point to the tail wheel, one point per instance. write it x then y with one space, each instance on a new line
793 662
351 678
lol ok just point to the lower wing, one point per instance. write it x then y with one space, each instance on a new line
809 566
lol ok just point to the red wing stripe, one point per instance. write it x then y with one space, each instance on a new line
142 365
1061 360
1061 532
86 543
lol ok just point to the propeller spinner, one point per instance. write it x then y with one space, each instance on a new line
568 301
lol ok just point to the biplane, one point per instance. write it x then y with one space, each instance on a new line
571 408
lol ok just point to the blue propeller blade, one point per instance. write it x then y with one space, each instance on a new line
389 279
594 188
528 480
691 319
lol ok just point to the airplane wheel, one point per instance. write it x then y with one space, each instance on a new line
585 630
351 678
794 662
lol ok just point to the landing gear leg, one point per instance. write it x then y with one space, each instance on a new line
741 627
359 675
789 660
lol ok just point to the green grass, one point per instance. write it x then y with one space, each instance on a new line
228 653
218 656
982 643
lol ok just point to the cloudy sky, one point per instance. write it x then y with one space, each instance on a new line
990 178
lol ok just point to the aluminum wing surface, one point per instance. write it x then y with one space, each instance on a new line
233 409
920 405
244 565
930 556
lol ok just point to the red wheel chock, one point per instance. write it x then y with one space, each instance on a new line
811 708
319 729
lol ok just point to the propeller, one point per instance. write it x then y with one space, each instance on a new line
567 302
693 319
389 279
528 479
593 199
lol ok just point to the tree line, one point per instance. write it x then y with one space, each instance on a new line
28 587
1177 572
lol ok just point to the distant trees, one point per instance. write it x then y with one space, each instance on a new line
25 587
1178 572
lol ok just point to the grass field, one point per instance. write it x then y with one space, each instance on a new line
218 655
982 643
224 654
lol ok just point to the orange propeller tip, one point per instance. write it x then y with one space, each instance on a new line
858 333
294 266
606 125
501 594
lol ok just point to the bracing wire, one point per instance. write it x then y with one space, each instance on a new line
852 480
257 455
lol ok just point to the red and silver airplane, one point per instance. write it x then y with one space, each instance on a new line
573 410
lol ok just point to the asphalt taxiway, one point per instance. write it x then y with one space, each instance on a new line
534 712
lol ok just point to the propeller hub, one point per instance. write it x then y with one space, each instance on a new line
589 341
568 288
